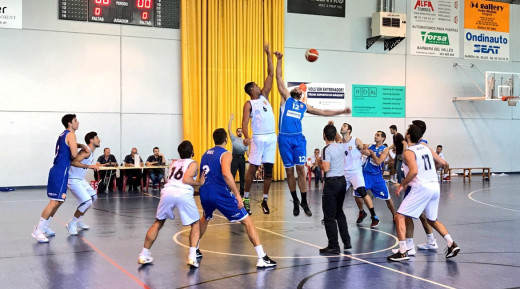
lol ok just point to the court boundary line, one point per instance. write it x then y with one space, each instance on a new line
487 204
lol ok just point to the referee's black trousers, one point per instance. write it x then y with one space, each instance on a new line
334 192
239 163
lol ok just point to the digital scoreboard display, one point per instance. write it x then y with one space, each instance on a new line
158 13
135 12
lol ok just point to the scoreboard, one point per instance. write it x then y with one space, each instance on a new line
153 13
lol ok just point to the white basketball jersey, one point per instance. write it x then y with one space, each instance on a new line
426 172
176 174
353 156
262 117
79 173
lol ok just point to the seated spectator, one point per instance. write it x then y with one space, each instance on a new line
315 168
106 177
134 176
155 160
446 168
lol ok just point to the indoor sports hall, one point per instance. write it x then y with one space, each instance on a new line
146 75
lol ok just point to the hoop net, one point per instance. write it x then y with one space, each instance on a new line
511 100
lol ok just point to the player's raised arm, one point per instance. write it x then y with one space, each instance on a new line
279 78
326 112
268 84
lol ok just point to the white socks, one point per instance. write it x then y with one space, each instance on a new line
448 239
402 247
430 238
193 253
260 251
266 196
42 223
246 194
409 243
145 252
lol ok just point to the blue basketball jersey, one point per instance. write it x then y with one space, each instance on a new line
370 166
62 151
291 114
210 164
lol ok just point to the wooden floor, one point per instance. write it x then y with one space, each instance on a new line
482 217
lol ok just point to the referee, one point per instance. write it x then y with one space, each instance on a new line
239 161
334 192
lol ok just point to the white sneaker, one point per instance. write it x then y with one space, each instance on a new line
193 263
144 259
48 231
39 236
82 225
428 246
411 252
72 227
265 262
393 179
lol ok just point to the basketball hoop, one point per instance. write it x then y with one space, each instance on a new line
511 100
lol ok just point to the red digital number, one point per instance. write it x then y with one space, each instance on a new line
102 2
144 15
97 11
146 4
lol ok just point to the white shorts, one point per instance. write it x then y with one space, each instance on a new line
180 198
263 149
421 198
81 190
355 179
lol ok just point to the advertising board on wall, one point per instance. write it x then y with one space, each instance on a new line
321 95
486 30
434 28
11 14
378 101
334 8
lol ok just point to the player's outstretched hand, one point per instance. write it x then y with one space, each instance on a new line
94 167
331 122
232 117
266 48
278 55
348 110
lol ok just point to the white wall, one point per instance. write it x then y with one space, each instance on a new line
125 83
122 81
472 133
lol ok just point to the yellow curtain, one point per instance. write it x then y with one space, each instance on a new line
222 50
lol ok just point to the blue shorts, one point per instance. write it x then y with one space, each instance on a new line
293 149
57 183
377 185
220 198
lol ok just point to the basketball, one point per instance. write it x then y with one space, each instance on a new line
303 87
311 55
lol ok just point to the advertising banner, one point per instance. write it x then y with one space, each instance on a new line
378 101
486 30
334 8
321 95
11 14
434 28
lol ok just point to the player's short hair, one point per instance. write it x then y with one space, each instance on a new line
185 149
330 132
316 149
415 133
105 149
421 124
219 136
66 119
393 127
295 94
155 148
383 134
349 127
439 146
89 136
248 87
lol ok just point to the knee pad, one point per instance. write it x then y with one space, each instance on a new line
268 171
94 198
362 192
85 205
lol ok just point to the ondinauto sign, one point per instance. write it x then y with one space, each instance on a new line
435 38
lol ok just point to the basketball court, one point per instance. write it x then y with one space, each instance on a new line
481 216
